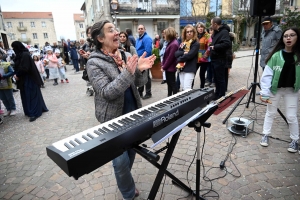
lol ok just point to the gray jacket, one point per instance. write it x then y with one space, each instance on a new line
269 40
110 85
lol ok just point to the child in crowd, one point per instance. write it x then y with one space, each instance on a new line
40 68
51 61
61 66
6 88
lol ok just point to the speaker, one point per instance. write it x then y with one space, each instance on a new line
262 7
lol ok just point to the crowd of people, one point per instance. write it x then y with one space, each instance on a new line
117 66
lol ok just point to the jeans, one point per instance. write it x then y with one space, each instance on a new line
291 99
203 68
7 97
219 69
148 86
210 73
122 167
186 79
171 82
75 63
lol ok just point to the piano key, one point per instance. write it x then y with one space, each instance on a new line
117 125
68 145
106 129
98 132
78 141
86 138
112 126
73 143
101 131
90 135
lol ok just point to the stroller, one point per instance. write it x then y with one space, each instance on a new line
89 90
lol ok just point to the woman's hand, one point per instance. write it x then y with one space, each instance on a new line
132 63
145 63
15 76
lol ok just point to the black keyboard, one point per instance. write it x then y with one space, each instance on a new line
88 150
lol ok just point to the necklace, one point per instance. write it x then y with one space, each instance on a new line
117 58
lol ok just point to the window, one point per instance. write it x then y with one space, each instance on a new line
23 36
34 35
244 4
32 24
162 25
45 35
124 1
20 24
164 2
13 36
80 25
9 25
82 35
43 24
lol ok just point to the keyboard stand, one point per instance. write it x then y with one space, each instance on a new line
163 166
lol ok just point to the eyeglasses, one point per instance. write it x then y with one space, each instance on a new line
189 31
290 36
113 30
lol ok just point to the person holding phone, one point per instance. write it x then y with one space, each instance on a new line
281 78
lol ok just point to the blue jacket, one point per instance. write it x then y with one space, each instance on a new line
144 43
73 53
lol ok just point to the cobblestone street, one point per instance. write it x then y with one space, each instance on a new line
252 172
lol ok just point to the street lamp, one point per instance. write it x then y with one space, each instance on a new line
114 6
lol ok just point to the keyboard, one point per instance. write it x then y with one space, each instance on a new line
88 150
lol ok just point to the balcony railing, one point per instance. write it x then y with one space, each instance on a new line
23 28
26 40
149 9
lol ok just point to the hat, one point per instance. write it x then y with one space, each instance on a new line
35 54
48 48
266 20
57 51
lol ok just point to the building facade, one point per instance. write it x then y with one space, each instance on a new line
155 15
79 26
32 28
3 36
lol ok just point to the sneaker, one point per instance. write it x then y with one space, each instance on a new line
62 81
7 113
163 82
67 80
212 85
1 112
13 112
147 96
293 147
207 84
55 84
264 141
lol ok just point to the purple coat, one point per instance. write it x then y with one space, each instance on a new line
169 60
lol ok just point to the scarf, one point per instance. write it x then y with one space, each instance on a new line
117 58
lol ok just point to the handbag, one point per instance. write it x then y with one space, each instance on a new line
85 75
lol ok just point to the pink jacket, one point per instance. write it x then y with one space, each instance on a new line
52 60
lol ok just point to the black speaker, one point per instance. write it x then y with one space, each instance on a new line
262 7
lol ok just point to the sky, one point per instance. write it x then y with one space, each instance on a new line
62 11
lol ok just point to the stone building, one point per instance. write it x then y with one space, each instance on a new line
32 28
155 15
79 26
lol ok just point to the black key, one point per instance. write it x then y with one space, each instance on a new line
129 120
117 125
106 129
90 135
67 145
86 138
102 131
78 141
153 108
97 132
73 143
112 126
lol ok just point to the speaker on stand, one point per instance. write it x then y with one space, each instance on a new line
262 7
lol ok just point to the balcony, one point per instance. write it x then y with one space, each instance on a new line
149 8
25 40
23 28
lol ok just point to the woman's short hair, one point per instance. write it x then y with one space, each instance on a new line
200 24
183 35
170 34
97 30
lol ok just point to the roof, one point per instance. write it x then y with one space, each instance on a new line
78 17
27 15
